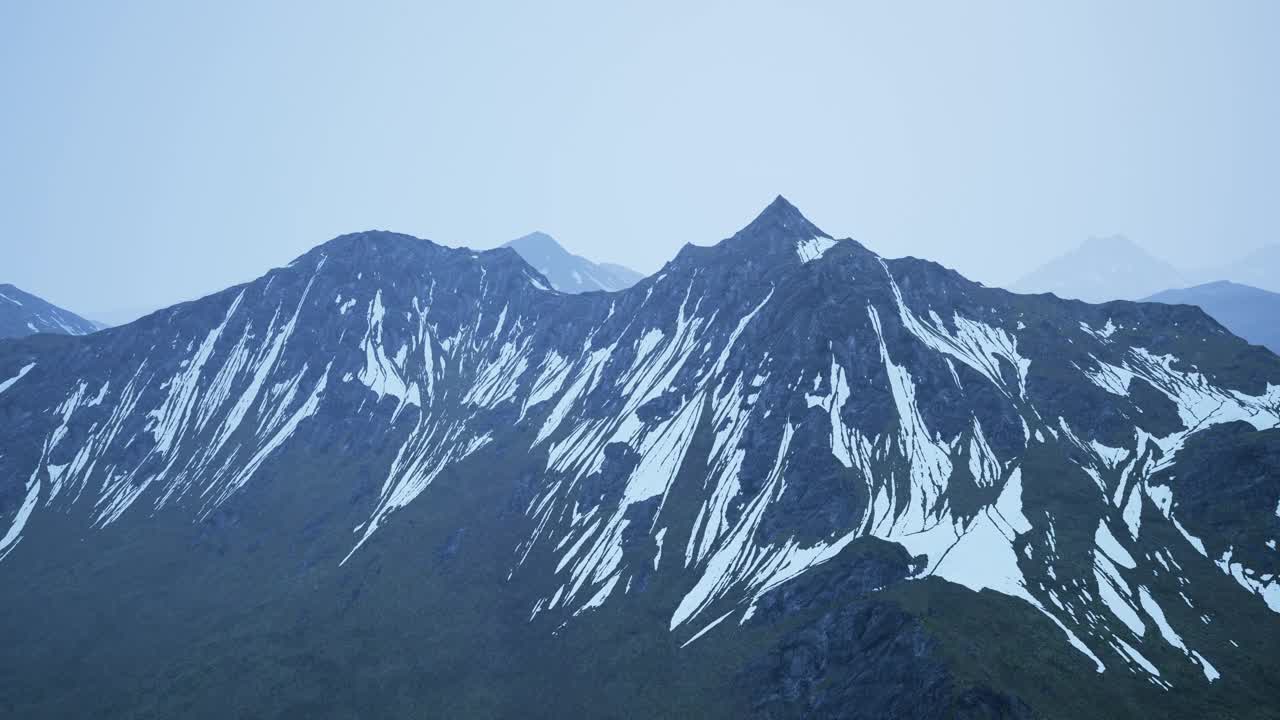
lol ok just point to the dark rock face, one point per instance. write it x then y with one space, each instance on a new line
848 652
782 476
856 661
872 660
1227 485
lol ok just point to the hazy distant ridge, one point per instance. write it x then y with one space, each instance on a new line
1116 268
568 272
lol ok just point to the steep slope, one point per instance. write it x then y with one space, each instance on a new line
23 314
1246 311
1102 269
568 272
783 477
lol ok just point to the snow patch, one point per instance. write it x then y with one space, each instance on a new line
9 383
813 248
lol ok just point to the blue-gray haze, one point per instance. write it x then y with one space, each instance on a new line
155 151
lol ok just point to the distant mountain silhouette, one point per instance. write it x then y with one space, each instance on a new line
1102 269
1116 268
568 272
1249 312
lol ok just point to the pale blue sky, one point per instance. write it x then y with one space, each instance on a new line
153 152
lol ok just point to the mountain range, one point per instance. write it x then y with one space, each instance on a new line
22 313
568 272
1116 268
782 477
1251 313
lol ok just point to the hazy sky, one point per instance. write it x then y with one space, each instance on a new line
153 153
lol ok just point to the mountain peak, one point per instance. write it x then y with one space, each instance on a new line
783 218
779 235
566 271
779 231
538 242
782 204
